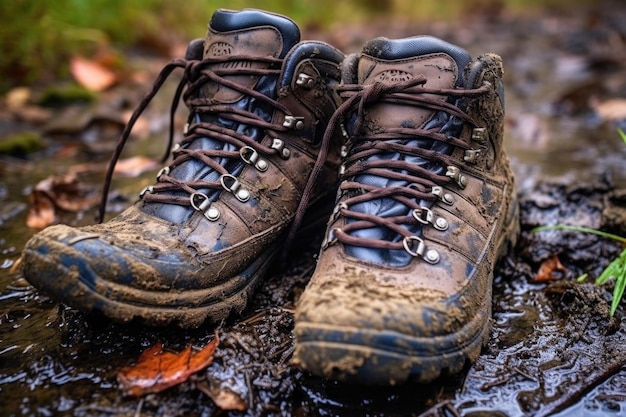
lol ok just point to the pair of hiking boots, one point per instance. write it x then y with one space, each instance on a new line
407 134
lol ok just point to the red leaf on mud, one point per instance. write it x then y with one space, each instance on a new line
65 192
91 75
157 370
550 270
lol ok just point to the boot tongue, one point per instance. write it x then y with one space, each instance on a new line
397 61
248 33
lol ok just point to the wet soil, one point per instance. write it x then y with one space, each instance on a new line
553 350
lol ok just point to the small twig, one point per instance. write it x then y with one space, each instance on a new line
524 374
139 407
571 397
250 393
241 343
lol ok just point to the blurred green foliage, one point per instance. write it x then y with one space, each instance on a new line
38 37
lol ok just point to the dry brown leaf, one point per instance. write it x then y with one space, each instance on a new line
157 370
550 270
91 75
59 192
41 211
68 192
134 166
223 397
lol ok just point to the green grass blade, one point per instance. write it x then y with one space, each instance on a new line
622 134
581 229
582 278
618 292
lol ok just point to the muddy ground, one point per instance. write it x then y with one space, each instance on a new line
553 350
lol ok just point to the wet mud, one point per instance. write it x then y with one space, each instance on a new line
553 348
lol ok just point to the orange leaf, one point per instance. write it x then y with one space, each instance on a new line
551 269
41 211
157 370
91 74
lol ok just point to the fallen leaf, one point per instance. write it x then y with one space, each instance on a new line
550 270
612 110
68 192
59 192
91 75
223 397
41 211
134 166
157 370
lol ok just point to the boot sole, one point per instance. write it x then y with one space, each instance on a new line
156 308
379 357
373 357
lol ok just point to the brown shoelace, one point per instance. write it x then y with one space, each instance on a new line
363 145
196 74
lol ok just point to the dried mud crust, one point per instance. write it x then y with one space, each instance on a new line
366 332
384 353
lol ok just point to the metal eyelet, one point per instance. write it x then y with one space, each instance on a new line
471 155
186 129
232 185
337 210
444 197
344 132
330 239
425 215
294 122
431 256
163 171
279 146
146 190
480 135
410 242
455 173
305 80
200 202
441 224
251 157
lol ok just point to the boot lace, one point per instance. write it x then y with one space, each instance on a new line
422 185
196 73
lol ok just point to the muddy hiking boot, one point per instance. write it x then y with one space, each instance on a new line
197 241
425 207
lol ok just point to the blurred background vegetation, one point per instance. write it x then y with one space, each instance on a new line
38 37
